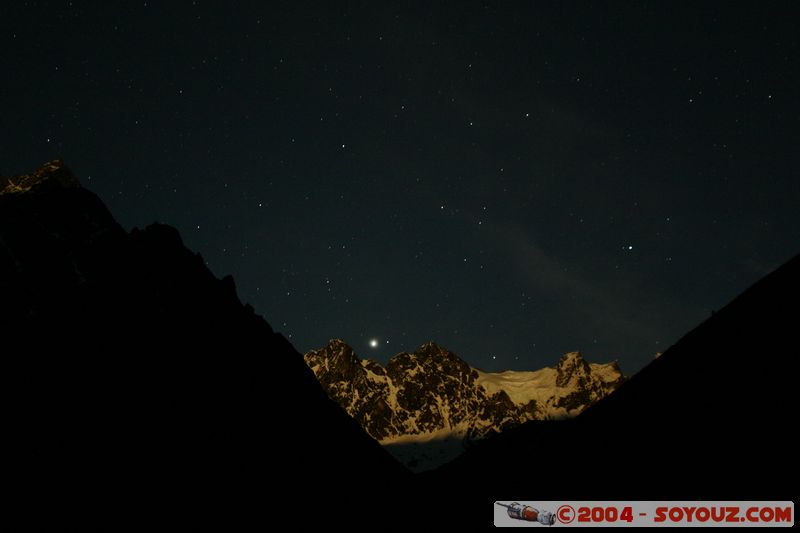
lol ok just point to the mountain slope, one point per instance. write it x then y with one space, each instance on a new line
711 419
137 383
433 393
138 387
562 391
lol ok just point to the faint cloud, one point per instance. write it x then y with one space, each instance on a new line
624 312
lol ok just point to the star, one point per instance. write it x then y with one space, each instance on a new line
282 206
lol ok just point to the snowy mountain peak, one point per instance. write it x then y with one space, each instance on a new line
51 174
336 343
572 369
430 347
429 357
432 393
570 357
339 361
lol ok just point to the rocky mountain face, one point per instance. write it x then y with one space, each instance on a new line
434 392
138 387
137 384
52 175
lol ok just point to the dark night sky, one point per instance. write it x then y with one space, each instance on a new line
513 181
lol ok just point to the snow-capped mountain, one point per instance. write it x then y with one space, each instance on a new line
432 393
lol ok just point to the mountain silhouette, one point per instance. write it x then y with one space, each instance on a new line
712 418
139 388
138 381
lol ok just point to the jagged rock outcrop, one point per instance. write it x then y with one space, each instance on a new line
53 174
434 391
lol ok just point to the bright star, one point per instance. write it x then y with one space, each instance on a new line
373 343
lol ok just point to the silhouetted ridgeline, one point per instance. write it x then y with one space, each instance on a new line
712 418
137 384
137 381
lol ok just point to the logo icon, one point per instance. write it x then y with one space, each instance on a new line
530 514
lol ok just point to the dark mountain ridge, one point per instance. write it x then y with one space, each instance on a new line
140 388
711 419
137 380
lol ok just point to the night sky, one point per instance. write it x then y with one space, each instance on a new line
513 181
